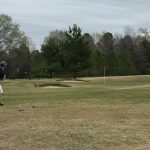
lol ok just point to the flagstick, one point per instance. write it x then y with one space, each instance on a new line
104 75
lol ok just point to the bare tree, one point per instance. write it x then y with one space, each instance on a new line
10 34
128 30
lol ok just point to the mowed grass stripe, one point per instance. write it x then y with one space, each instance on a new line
24 91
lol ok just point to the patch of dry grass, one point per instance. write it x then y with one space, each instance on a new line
106 127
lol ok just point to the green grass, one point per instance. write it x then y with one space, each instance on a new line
87 115
124 90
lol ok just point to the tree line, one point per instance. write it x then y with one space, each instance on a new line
72 53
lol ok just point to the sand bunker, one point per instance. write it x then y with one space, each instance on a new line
72 81
47 87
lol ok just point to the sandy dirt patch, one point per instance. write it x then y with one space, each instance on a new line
53 87
72 81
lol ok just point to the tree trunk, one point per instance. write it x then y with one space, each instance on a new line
74 74
50 74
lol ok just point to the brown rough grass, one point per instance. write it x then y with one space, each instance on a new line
103 127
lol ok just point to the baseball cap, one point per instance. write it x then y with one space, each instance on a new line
3 63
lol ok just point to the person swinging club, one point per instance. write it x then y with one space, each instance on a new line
2 66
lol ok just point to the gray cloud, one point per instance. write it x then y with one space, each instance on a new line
38 18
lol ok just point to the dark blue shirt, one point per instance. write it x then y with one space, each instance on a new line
1 73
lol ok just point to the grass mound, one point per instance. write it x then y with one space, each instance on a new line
50 84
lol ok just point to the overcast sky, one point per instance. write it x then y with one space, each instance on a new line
38 17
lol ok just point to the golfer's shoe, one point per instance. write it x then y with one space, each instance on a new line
1 104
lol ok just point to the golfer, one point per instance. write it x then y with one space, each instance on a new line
2 66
